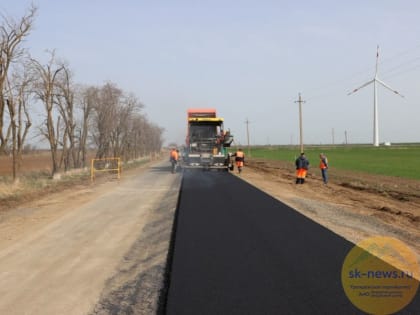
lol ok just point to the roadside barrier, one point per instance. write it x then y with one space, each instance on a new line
108 165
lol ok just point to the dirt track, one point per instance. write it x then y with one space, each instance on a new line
71 253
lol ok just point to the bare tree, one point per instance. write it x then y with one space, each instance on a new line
152 138
119 129
156 140
104 121
18 93
45 89
65 98
136 136
12 34
109 115
88 98
121 142
145 138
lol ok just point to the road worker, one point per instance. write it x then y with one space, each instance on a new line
239 159
302 165
173 158
323 165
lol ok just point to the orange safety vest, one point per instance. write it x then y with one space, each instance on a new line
174 155
239 159
323 164
301 173
240 155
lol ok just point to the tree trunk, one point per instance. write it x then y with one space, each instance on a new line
53 142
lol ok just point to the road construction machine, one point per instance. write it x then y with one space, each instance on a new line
207 141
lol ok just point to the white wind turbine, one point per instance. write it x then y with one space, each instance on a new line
375 80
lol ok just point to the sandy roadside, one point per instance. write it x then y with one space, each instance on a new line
72 252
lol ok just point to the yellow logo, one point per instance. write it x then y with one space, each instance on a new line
380 275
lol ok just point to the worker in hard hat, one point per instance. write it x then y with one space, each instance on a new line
239 159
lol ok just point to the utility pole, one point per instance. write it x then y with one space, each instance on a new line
345 136
300 101
247 136
332 134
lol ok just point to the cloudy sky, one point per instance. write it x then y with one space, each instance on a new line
247 59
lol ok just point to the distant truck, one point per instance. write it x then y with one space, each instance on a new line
206 141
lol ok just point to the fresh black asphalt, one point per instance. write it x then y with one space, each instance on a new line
237 250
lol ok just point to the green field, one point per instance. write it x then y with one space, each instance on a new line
397 160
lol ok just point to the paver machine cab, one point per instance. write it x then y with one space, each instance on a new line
206 141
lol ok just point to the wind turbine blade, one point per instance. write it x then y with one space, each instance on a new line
389 88
361 87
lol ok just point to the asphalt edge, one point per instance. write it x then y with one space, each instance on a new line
164 292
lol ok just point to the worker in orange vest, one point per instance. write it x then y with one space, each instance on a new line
323 165
240 159
173 158
302 165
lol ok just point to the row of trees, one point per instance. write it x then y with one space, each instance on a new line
76 117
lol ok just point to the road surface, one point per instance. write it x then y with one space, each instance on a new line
237 250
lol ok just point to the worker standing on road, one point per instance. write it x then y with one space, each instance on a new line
239 159
323 165
302 165
173 158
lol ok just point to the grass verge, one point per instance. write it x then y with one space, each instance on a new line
397 160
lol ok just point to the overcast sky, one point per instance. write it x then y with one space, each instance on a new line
247 59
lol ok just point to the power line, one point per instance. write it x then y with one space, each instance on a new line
401 65
405 52
402 72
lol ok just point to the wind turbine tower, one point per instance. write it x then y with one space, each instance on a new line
375 82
